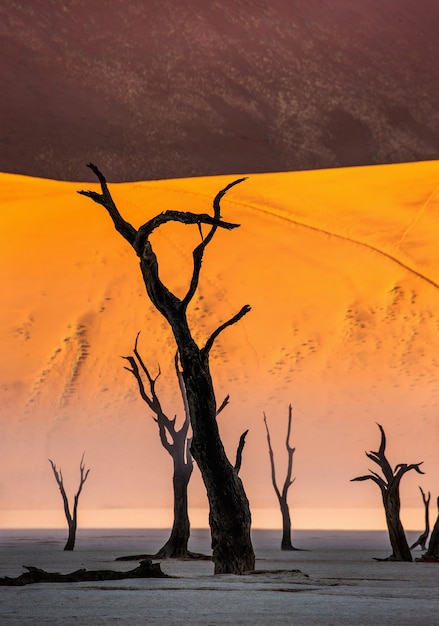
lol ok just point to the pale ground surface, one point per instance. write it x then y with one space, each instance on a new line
339 582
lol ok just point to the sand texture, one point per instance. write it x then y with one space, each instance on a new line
341 270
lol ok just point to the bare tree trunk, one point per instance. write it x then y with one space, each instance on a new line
398 540
70 545
177 444
389 486
229 514
422 539
72 518
176 545
432 554
286 543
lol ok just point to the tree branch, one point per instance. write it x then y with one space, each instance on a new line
403 468
223 405
83 477
127 231
271 455
241 445
290 451
59 480
187 418
376 479
199 250
381 457
209 343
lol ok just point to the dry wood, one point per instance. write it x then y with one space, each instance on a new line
229 511
432 554
72 518
286 543
422 539
389 486
146 569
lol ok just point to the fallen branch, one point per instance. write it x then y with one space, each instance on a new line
196 556
145 569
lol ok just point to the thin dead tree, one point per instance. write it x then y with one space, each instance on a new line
422 539
432 554
389 485
286 543
72 517
229 510
177 443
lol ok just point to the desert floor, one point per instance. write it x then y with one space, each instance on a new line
333 580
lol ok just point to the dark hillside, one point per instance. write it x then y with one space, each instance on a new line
160 89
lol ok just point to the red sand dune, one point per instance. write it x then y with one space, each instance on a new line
162 89
342 273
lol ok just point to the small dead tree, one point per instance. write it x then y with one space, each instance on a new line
286 543
422 539
229 510
432 554
389 485
177 443
72 518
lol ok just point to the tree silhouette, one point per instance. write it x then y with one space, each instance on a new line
422 539
389 485
72 518
286 543
177 443
229 511
432 554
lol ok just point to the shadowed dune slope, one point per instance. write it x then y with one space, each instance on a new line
341 270
164 89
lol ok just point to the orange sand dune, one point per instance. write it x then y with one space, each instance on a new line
342 273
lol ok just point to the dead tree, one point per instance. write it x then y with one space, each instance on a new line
72 518
177 443
422 539
389 486
282 496
229 511
432 554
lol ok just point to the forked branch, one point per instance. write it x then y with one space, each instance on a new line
70 516
391 478
165 424
199 250
127 231
283 497
160 295
389 485
290 452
